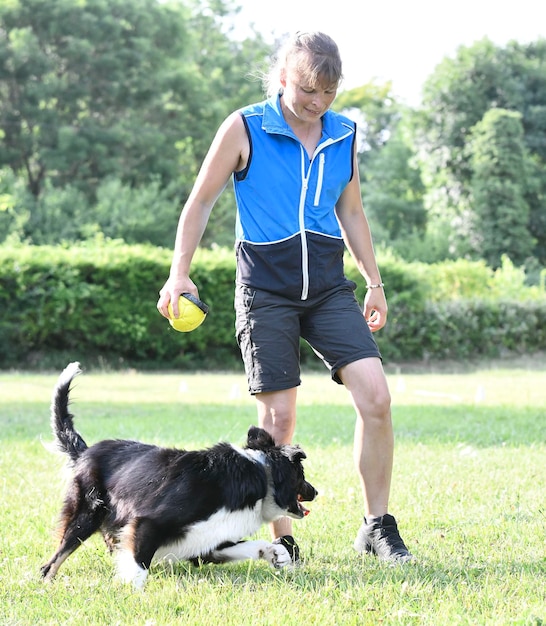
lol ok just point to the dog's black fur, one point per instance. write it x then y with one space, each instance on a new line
158 502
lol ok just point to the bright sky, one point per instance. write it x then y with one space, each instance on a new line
399 40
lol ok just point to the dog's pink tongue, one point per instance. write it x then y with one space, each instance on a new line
303 509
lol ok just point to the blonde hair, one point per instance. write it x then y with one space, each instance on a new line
314 56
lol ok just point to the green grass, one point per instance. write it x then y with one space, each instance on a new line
468 490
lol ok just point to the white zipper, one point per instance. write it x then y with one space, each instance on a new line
301 216
303 194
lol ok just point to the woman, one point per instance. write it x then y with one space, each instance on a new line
295 175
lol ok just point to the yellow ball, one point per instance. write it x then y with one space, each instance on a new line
191 313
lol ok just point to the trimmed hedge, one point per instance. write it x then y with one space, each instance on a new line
97 303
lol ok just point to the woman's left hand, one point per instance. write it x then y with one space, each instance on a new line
375 309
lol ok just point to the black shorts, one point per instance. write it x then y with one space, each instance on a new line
269 327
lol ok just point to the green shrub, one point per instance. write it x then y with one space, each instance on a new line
97 301
467 329
406 301
100 300
464 279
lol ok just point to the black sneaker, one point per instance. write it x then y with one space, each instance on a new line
290 544
380 536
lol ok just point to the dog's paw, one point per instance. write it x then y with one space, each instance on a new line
129 571
276 555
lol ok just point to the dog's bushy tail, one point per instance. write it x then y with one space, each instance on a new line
67 439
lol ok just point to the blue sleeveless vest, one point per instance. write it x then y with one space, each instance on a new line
288 239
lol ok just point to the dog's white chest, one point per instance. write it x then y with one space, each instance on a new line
205 536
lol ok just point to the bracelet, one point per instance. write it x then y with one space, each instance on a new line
375 286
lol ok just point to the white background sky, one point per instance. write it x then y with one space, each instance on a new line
398 40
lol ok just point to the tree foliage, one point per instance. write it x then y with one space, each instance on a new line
376 110
131 90
393 193
458 95
91 90
107 108
498 187
392 188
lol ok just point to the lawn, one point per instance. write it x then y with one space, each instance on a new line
469 493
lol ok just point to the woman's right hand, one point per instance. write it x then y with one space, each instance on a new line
170 294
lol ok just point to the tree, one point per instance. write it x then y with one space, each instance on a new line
393 191
498 156
231 68
91 89
376 111
100 90
457 96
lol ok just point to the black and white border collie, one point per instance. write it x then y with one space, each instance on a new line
151 502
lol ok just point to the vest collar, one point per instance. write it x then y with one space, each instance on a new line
334 126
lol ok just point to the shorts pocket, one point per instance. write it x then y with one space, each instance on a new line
244 299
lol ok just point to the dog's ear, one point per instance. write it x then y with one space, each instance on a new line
259 439
294 453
